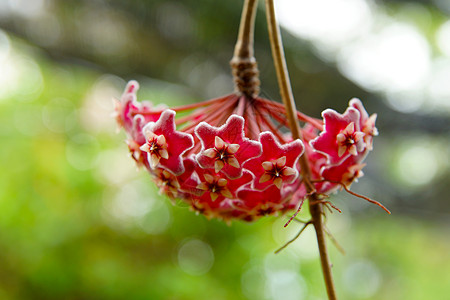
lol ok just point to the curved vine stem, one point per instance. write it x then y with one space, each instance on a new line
316 209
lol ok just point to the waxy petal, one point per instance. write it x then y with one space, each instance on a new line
233 162
161 140
164 154
341 150
341 137
211 153
233 148
289 171
222 182
352 150
202 186
154 160
226 193
213 196
145 147
265 178
218 165
358 135
267 165
209 178
218 142
350 129
281 162
278 182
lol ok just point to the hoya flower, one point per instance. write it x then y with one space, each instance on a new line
233 158
341 137
225 148
165 145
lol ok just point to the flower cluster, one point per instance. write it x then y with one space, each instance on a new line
231 157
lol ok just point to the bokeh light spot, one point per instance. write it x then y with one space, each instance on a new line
97 109
28 120
58 115
28 9
195 257
114 167
253 281
439 87
129 203
82 151
443 38
395 59
342 20
156 221
417 165
362 279
286 285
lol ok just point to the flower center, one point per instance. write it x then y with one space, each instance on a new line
347 140
223 153
156 146
276 171
167 182
215 187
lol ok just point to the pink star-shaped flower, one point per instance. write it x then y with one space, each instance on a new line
135 140
225 148
346 172
127 108
276 165
171 185
341 137
216 187
165 145
367 124
123 106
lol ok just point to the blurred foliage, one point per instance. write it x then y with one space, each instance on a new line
78 222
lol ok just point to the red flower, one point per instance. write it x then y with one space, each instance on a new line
342 136
276 164
229 157
164 144
346 173
366 123
260 203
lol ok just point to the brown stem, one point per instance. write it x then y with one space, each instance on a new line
316 216
316 210
281 69
243 63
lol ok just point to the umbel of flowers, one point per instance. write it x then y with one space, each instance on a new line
232 157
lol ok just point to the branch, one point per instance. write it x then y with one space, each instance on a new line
288 100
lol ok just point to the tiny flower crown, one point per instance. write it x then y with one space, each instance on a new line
232 157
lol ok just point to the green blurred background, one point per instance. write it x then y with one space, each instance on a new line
77 221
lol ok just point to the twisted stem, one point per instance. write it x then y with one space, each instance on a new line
316 209
243 64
